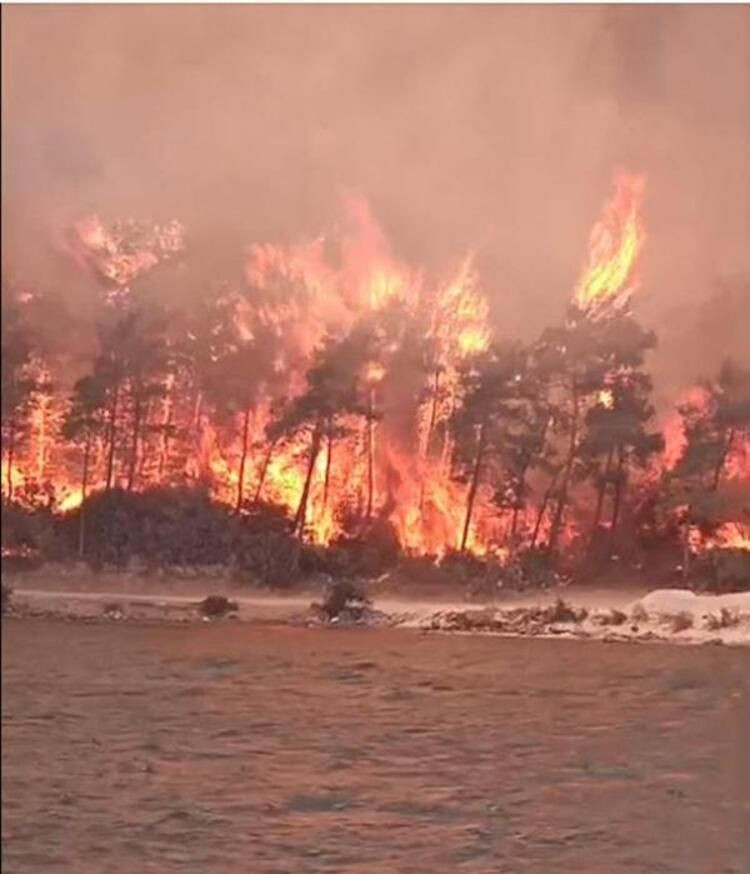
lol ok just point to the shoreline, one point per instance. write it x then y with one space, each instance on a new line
662 616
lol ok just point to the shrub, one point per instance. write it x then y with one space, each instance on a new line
217 605
725 619
344 596
163 527
681 622
264 549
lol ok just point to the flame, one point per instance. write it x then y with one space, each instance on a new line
71 501
615 243
299 295
126 250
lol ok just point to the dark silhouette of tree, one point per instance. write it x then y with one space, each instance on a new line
84 422
337 385
491 405
20 383
616 438
130 371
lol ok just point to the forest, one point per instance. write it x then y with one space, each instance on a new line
333 411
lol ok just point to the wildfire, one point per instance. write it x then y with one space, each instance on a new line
615 243
367 463
127 250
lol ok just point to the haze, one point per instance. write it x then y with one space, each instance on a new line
491 127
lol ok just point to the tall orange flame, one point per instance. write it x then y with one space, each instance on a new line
615 243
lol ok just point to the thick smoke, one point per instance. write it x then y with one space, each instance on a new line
489 127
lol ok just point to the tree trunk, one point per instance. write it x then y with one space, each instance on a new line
617 499
137 418
112 437
263 471
433 412
542 511
473 486
327 479
11 456
520 492
370 456
722 460
572 450
299 518
243 459
428 438
686 548
166 427
84 486
601 491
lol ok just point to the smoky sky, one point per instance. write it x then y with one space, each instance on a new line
490 127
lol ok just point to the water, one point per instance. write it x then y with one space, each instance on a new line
228 748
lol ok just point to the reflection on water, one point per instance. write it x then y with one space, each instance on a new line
232 748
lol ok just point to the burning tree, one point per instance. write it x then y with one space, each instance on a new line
482 426
708 486
19 384
334 390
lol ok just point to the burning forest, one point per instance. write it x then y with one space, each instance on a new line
335 397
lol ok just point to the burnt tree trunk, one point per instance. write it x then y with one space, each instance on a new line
264 471
327 480
617 498
370 456
542 510
722 460
430 429
11 457
135 439
567 471
474 484
600 492
112 437
243 460
84 487
299 518
686 546
518 498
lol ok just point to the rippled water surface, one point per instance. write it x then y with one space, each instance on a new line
237 748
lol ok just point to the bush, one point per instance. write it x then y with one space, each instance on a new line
726 570
368 554
264 548
681 622
344 596
217 605
26 534
726 619
163 527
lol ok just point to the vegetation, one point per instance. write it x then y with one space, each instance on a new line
196 433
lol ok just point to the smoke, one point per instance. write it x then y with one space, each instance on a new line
490 127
